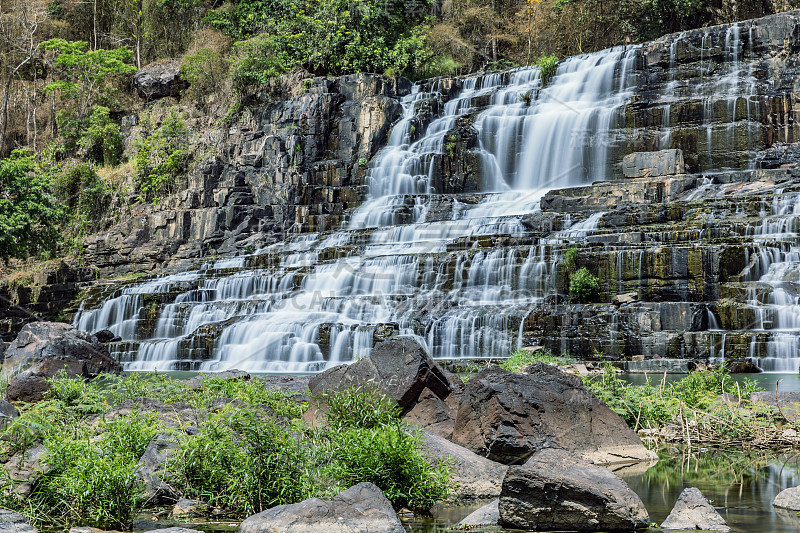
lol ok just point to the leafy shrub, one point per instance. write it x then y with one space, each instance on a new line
360 407
521 359
162 157
205 66
571 259
102 139
91 476
89 484
255 61
81 396
584 286
391 458
29 215
70 131
242 462
324 37
78 186
254 392
547 67
652 405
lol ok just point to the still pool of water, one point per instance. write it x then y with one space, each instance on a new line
741 485
787 382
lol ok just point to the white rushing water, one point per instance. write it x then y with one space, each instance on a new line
303 313
399 265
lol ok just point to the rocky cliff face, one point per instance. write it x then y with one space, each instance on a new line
695 242
294 163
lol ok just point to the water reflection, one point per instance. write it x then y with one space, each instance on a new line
741 485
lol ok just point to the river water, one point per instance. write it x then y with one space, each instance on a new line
740 485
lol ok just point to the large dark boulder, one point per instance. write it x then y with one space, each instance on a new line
507 417
557 491
159 80
473 476
400 368
361 508
42 349
693 511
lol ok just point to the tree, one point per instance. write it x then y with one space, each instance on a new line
29 216
18 28
86 76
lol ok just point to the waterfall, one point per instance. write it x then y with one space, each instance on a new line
290 308
462 267
777 268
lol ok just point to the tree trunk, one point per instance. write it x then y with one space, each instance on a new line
4 105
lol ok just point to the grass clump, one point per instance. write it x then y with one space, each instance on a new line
242 462
548 65
391 458
250 454
360 407
521 359
690 410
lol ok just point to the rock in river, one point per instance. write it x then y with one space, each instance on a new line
788 499
692 511
507 417
473 476
361 508
555 490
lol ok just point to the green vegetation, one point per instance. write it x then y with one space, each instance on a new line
359 407
547 66
571 259
584 286
162 157
690 410
521 359
250 450
85 77
27 209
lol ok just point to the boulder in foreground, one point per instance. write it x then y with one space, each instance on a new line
507 417
692 511
42 350
474 477
557 491
361 508
399 368
484 517
11 522
788 499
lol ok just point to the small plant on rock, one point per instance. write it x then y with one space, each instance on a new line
584 287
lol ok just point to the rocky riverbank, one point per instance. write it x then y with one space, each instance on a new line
393 428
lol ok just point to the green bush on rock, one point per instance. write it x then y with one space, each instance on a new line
360 407
521 359
390 457
243 462
584 286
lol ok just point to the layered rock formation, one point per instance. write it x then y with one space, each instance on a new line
705 237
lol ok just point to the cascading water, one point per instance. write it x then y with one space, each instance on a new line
776 271
285 308
462 267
